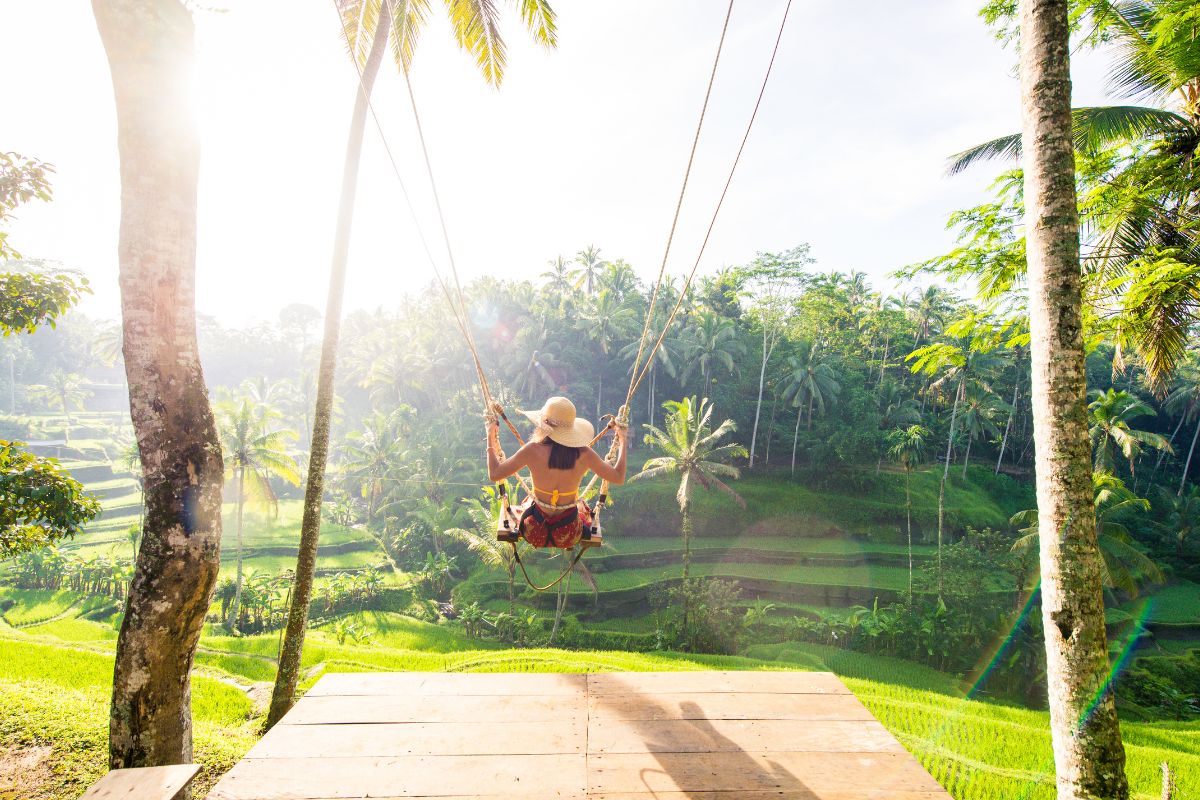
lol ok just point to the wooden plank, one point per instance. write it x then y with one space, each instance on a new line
693 682
728 735
742 705
796 794
331 710
448 683
743 772
143 783
564 735
409 776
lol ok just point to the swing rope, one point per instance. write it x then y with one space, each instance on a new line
459 310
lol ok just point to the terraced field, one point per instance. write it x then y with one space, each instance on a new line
54 684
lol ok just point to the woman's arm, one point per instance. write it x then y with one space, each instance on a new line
613 473
499 470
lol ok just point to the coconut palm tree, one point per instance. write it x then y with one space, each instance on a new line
1125 566
558 277
929 308
1085 732
712 340
371 29
1111 413
1182 520
980 410
254 453
1143 244
604 321
590 267
1184 400
961 363
480 537
371 455
691 449
63 390
896 410
811 384
906 446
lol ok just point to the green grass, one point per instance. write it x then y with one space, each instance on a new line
75 629
37 605
771 544
883 577
1178 604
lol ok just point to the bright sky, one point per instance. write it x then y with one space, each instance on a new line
582 145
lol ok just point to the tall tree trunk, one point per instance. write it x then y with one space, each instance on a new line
1163 453
310 526
1188 464
1088 755
811 399
150 51
945 476
237 587
762 378
771 428
908 515
599 389
883 363
650 409
1008 425
67 416
796 435
967 457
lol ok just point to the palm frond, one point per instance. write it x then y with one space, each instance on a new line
1007 148
476 29
540 19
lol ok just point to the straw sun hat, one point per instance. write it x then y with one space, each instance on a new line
558 421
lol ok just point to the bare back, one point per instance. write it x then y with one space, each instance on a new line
536 456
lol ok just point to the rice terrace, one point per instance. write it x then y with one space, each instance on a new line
710 400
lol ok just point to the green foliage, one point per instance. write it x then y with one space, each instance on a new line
30 299
40 503
21 181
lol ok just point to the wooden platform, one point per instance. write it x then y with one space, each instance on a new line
613 736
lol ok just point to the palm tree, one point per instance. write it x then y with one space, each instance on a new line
928 309
691 449
907 447
604 321
65 391
810 383
668 354
1149 197
980 410
370 29
961 363
1111 413
1088 754
559 280
254 453
371 456
1125 566
481 539
896 410
590 266
711 340
1182 520
1184 400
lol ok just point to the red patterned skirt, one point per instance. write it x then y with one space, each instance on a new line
541 527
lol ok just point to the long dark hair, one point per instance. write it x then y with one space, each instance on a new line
561 456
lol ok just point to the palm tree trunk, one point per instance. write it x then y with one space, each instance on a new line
650 408
796 434
293 640
599 389
150 49
771 429
1163 453
883 363
687 541
1088 755
1188 464
1008 425
762 378
67 416
908 515
237 586
967 457
812 397
945 476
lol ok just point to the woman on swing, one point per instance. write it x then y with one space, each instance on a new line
558 455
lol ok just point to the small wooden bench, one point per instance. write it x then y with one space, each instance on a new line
143 783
